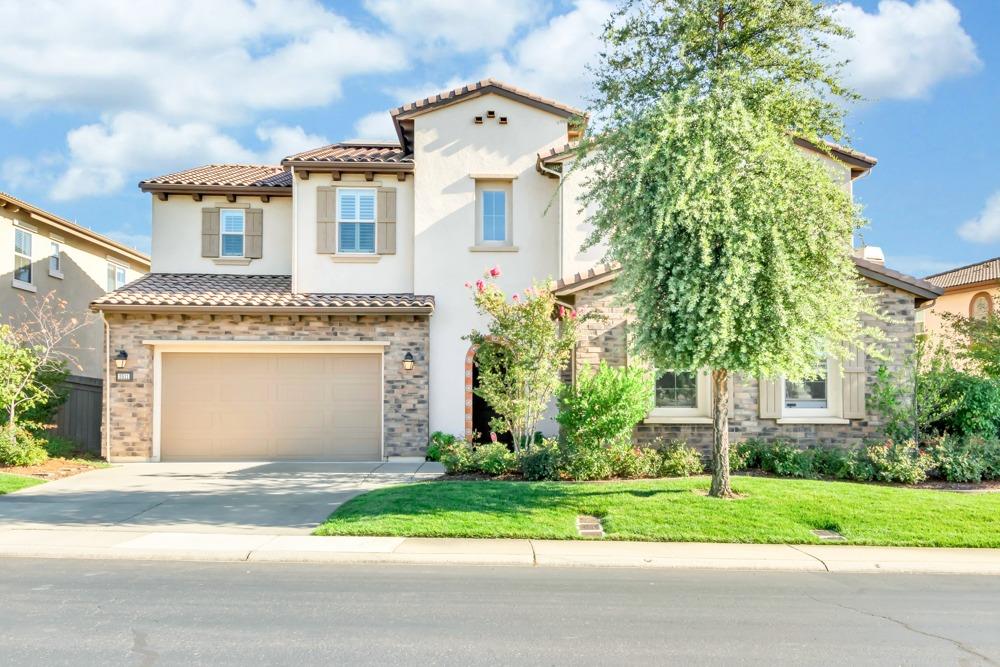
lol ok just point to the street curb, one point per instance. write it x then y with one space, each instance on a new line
257 548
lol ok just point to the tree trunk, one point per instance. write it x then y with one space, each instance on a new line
720 440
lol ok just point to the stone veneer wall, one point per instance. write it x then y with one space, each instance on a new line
406 409
607 339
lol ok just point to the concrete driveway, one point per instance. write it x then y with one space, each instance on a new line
272 498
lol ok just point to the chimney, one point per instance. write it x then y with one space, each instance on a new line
872 253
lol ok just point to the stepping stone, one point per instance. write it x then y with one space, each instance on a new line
589 526
829 535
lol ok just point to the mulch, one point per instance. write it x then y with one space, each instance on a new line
52 469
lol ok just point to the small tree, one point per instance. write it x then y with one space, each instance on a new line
977 343
32 357
734 244
526 345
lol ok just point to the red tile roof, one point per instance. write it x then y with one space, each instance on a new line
193 292
980 272
377 153
481 88
225 175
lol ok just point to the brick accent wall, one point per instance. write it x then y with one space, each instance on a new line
606 338
406 408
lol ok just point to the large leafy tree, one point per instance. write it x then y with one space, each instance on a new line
734 243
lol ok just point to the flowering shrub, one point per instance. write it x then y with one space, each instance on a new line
520 353
680 460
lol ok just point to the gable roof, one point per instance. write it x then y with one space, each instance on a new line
972 274
403 115
12 203
352 155
229 293
221 178
921 289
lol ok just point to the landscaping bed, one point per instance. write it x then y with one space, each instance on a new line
769 511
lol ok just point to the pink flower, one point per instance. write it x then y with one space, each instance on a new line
495 272
516 298
480 285
493 436
562 312
468 284
572 314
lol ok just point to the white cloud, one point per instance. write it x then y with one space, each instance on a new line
375 126
209 61
903 50
552 59
283 140
984 228
920 265
432 25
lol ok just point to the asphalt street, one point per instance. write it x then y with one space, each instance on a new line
79 612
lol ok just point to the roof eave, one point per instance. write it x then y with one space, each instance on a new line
262 310
187 188
359 167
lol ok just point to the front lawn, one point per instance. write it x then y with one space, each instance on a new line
771 511
9 483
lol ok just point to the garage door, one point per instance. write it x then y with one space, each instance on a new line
316 407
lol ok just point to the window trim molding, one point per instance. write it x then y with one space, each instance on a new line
223 233
345 254
834 409
56 246
29 284
117 266
493 184
700 414
989 304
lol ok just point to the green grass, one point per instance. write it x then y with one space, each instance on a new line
9 483
771 511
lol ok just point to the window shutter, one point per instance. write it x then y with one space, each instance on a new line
853 384
254 234
209 232
770 398
386 221
326 220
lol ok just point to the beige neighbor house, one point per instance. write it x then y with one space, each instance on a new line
316 309
41 253
969 291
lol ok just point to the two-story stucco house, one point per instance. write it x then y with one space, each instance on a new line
316 309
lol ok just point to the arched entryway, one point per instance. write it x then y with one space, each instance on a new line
477 411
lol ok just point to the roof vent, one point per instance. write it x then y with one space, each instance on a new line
479 120
871 253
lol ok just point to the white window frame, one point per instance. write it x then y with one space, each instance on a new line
30 283
834 397
494 185
356 193
55 255
116 267
700 414
223 233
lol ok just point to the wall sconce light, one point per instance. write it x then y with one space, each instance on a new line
408 362
121 359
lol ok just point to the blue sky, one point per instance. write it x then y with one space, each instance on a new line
97 94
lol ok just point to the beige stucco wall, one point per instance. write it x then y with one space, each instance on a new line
315 272
955 303
84 269
177 236
449 148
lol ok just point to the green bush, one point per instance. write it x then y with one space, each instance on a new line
977 407
990 453
679 460
494 459
604 406
586 463
439 440
832 462
541 462
457 458
624 461
785 460
740 455
21 447
61 448
955 461
898 462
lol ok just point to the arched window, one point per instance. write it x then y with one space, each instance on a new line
981 306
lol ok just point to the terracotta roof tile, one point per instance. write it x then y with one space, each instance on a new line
979 272
354 152
481 87
243 293
227 175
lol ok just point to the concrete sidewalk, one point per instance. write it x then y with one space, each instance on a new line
138 545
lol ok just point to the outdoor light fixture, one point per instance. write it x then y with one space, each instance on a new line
121 359
408 362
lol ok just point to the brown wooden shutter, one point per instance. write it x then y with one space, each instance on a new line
770 398
209 232
254 234
386 211
853 384
326 220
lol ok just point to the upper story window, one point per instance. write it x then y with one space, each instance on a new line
493 213
680 396
232 228
815 396
22 256
356 220
55 259
116 276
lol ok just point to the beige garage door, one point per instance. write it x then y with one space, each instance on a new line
316 407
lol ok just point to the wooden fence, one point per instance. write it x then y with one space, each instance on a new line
79 418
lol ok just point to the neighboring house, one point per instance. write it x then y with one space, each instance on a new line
316 309
42 253
969 291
